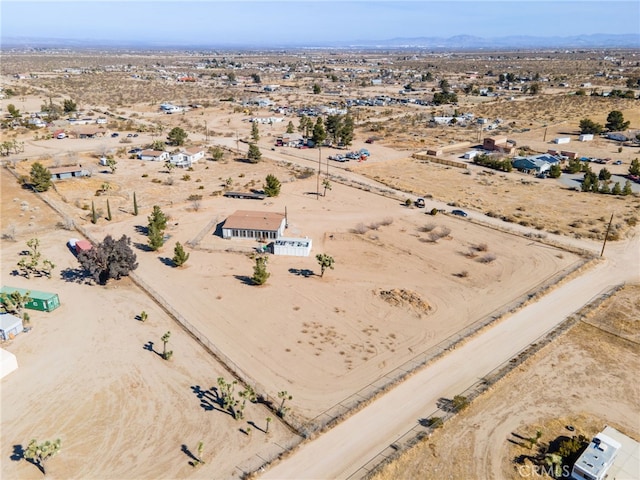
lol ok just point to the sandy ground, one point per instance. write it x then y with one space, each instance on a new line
120 410
552 389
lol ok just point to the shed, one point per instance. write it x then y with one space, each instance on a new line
561 140
42 301
8 363
10 326
585 137
296 247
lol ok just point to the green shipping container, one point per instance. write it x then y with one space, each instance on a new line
42 301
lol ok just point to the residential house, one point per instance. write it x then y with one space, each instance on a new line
499 144
154 155
74 171
597 459
87 131
535 164
187 157
254 225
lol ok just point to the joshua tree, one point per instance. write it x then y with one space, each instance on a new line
268 419
135 204
143 316
94 215
327 186
284 395
260 274
40 453
165 339
229 402
325 261
13 302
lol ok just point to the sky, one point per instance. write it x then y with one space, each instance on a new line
271 23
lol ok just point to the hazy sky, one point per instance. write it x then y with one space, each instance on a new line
284 22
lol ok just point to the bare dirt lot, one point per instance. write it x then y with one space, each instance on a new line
552 389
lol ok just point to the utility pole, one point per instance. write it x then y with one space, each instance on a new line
319 168
206 131
606 235
237 143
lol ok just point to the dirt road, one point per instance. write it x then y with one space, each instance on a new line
343 450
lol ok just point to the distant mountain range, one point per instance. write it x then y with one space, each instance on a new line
458 42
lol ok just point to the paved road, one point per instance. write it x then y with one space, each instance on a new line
341 451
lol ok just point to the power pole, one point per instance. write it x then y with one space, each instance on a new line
606 235
319 168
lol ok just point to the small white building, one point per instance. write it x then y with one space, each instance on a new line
561 140
154 155
296 247
187 157
10 326
585 137
8 363
471 154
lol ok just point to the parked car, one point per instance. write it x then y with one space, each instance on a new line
115 134
420 202
460 213
618 162
135 150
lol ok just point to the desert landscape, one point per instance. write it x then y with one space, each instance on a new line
406 284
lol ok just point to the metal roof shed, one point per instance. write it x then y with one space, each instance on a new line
10 326
42 301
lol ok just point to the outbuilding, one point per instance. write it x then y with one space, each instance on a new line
8 363
10 326
42 301
296 247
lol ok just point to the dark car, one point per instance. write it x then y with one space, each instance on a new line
135 150
115 134
460 213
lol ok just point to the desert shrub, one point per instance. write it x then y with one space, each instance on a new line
427 228
445 232
186 177
156 180
194 197
463 274
488 258
374 225
360 229
482 247
169 181
386 221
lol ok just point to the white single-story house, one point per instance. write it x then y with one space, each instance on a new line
597 459
73 171
154 155
297 247
254 225
187 157
8 363
10 326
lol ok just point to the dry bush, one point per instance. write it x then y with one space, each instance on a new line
386 221
360 229
482 247
427 228
445 232
462 274
374 225
488 258
471 253
433 236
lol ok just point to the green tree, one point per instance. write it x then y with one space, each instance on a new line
13 111
316 89
255 132
157 145
69 106
326 183
444 85
282 410
253 154
165 339
272 186
459 403
135 204
260 274
604 188
216 153
325 261
177 136
627 188
109 259
346 131
40 177
112 164
290 127
634 168
574 166
39 453
143 316
256 78
227 395
617 189
604 174
319 133
54 111
155 237
14 302
615 121
588 126
535 88
555 171
333 125
169 165
180 257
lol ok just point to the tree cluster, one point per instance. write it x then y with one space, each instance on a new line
14 302
340 128
109 259
40 177
600 183
440 98
495 163
177 136
235 406
588 126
